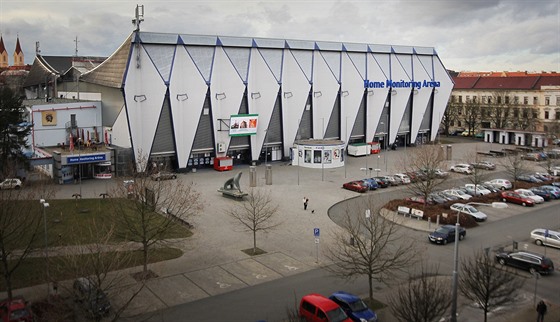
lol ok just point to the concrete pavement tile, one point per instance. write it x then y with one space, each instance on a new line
144 302
215 280
251 272
282 264
176 289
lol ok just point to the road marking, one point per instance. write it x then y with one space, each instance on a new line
223 285
259 276
291 268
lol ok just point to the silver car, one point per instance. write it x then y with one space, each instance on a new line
546 237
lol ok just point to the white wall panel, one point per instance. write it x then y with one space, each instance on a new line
325 91
143 113
420 98
377 71
226 90
120 135
399 97
352 92
441 95
187 92
262 91
295 91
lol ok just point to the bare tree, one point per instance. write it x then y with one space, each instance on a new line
471 116
427 160
479 174
22 218
515 166
147 210
500 110
550 162
449 116
377 251
486 284
426 297
256 214
100 261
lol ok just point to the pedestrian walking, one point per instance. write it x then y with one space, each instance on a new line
541 311
305 202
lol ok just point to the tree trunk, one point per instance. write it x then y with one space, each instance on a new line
7 276
370 283
254 242
145 255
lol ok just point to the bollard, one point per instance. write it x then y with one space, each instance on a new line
268 174
252 176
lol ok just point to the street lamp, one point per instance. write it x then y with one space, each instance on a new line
45 205
456 255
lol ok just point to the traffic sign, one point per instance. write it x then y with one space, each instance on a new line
316 232
317 240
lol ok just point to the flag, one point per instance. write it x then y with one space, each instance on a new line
71 143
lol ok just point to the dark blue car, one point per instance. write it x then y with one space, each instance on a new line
371 183
354 307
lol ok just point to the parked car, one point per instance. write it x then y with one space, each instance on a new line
371 183
554 191
16 310
462 168
487 165
543 176
476 190
456 131
163 175
392 180
382 183
501 184
436 198
528 261
354 307
546 237
458 193
419 200
490 187
357 186
514 197
445 234
435 173
533 156
528 178
469 210
93 299
555 171
10 184
529 194
403 177
542 193
448 196
479 135
317 308
466 133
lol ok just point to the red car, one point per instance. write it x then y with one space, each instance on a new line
357 186
16 310
419 199
514 197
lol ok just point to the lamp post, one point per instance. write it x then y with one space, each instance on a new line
456 256
45 205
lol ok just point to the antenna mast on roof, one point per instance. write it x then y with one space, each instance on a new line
76 50
139 17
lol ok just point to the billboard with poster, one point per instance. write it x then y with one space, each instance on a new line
243 124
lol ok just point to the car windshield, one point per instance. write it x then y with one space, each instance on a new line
357 306
337 315
461 192
441 230
471 209
528 193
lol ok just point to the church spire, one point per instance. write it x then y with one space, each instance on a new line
3 54
18 54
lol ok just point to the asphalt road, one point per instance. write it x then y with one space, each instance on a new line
271 301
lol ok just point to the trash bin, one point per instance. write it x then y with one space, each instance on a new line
449 154
268 174
252 176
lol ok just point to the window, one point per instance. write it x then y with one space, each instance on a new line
526 100
499 98
489 99
516 112
558 114
547 100
458 123
468 98
460 99
484 100
535 100
453 98
546 116
557 100
507 99
516 99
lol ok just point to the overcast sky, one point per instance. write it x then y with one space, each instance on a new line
475 35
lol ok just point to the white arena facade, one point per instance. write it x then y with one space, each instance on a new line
181 91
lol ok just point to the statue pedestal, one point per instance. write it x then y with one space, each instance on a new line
232 193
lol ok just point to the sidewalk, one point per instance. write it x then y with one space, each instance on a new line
213 262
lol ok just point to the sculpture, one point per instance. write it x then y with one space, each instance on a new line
232 188
233 183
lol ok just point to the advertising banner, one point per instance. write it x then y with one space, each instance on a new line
243 124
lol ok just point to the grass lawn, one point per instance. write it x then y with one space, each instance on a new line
32 270
69 222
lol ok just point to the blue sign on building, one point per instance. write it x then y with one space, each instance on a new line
316 232
86 158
